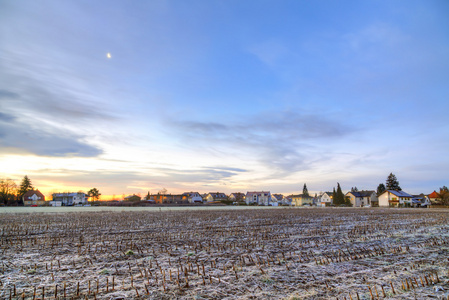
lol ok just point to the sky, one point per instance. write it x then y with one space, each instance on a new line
230 96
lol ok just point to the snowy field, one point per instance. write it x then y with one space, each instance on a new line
224 253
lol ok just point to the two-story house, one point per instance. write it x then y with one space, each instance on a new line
362 198
258 198
325 199
393 198
69 199
301 200
34 197
212 197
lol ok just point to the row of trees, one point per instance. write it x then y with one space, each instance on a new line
11 194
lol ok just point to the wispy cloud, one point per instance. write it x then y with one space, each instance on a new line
281 141
18 137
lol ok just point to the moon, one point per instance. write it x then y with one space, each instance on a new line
108 55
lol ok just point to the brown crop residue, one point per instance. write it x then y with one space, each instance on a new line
291 253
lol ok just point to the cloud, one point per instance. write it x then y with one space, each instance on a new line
4 94
148 179
17 136
281 141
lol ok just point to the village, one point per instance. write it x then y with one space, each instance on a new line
389 195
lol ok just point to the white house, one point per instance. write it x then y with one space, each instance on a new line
259 198
194 197
69 199
325 199
362 198
393 198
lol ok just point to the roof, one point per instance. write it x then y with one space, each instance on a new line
362 193
218 195
257 193
301 196
278 196
31 193
398 193
434 195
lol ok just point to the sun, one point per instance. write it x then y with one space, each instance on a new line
108 55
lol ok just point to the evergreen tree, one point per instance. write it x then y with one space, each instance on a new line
348 201
340 197
380 189
354 189
305 192
392 183
24 187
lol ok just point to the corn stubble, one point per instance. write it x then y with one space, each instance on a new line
236 254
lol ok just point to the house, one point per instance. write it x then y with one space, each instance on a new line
421 201
258 198
237 197
274 201
301 199
34 197
158 198
391 198
212 197
133 198
281 199
193 197
69 199
433 197
325 199
362 198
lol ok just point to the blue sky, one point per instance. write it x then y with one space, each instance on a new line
224 95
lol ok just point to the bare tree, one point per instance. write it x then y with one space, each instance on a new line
8 191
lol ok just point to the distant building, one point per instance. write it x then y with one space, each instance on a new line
259 198
325 199
69 199
281 199
421 201
393 198
211 197
362 198
301 199
193 197
133 197
34 197
433 197
237 197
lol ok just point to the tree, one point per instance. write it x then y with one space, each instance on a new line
25 186
8 190
380 188
339 197
354 189
392 183
443 195
305 192
94 193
